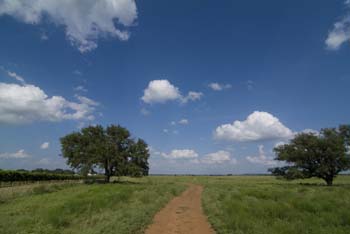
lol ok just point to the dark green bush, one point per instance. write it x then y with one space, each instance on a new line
14 176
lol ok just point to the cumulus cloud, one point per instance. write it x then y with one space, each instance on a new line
262 158
340 32
19 154
218 157
219 87
84 21
181 154
28 103
257 126
45 145
161 91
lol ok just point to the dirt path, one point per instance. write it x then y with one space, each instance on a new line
182 215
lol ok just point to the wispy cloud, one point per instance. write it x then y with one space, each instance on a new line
17 155
340 32
262 158
45 145
219 87
84 21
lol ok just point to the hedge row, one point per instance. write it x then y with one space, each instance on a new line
12 176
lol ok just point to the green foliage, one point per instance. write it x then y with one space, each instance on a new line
12 176
309 155
111 149
105 208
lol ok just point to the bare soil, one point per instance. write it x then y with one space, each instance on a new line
182 215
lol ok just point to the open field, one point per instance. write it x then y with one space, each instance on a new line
237 204
264 205
100 208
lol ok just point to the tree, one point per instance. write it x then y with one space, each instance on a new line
321 155
139 158
110 149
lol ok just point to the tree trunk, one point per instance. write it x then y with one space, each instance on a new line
329 181
107 177
107 174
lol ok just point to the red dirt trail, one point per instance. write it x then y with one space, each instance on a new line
182 215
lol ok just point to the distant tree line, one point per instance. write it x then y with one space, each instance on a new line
111 149
48 171
322 155
27 176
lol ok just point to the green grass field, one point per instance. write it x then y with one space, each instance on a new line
264 205
99 208
237 204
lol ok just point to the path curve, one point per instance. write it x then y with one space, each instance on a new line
182 215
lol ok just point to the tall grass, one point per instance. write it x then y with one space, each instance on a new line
263 205
99 208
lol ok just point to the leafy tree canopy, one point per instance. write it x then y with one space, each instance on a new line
111 149
321 155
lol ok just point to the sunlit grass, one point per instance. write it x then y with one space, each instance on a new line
99 208
259 205
236 204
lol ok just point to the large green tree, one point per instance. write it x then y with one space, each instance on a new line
111 149
321 155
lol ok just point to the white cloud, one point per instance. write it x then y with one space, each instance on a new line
262 158
80 88
192 96
280 143
181 154
257 126
17 77
165 130
340 32
84 21
161 91
19 154
28 103
218 157
310 131
219 87
184 121
77 72
173 123
87 101
45 145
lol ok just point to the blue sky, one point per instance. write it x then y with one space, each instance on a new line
212 87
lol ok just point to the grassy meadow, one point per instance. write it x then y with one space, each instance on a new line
126 207
235 204
264 205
